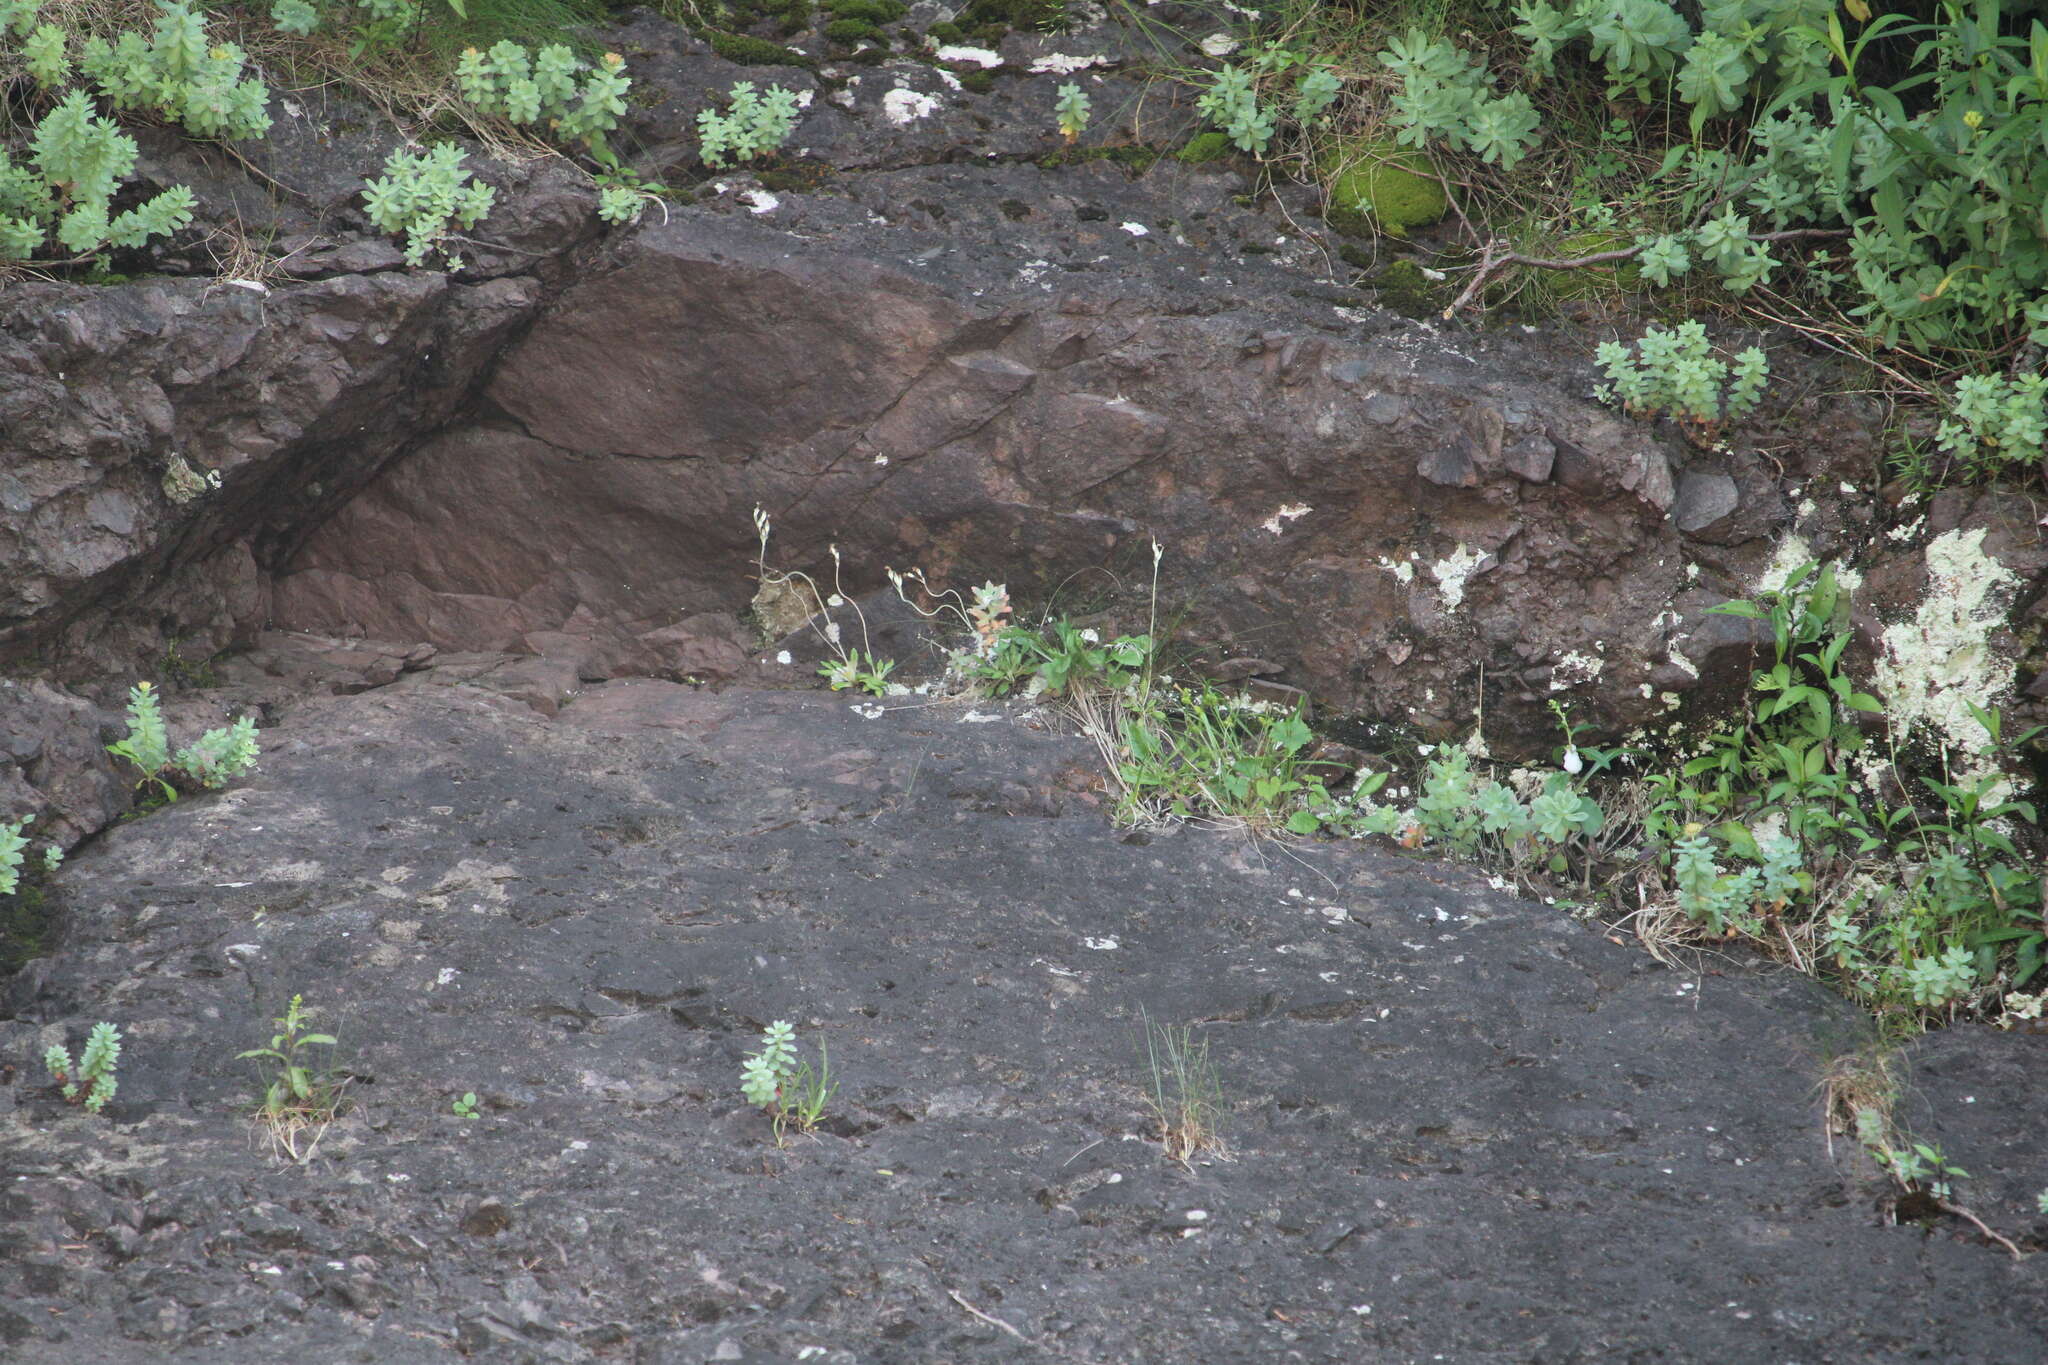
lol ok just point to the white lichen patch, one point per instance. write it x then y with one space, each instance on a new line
978 56
182 482
1793 553
905 107
1061 64
1402 569
1219 45
759 201
1453 571
1942 657
1136 229
1289 511
1574 669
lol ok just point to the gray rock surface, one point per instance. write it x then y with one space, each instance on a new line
1461 1125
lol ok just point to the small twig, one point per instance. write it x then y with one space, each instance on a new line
991 1321
1959 1211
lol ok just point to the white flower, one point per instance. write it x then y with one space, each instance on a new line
1573 764
1091 637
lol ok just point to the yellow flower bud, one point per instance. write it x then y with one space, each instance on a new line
1974 119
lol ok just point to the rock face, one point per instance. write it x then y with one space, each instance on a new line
162 441
936 338
1458 1123
1381 508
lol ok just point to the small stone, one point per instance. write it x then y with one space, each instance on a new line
487 1219
1703 499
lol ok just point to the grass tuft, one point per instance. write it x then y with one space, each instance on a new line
1186 1098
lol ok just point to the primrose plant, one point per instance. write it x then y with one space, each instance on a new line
780 1081
851 666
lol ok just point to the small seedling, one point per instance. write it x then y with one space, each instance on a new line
778 1080
1072 111
297 1097
858 669
465 1107
1186 1098
91 1082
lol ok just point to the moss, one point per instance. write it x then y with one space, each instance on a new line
980 82
847 32
1377 186
738 48
1029 16
1593 280
875 12
1205 147
1355 256
1137 157
27 923
945 31
803 178
1403 288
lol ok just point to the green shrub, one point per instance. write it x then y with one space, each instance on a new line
1676 373
753 124
77 161
181 75
423 195
1997 422
210 761
90 1081
1446 96
577 101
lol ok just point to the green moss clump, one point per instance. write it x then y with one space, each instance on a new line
1136 156
847 32
1403 288
1030 16
27 922
980 82
802 178
875 12
741 50
945 31
1205 147
1380 187
1594 279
